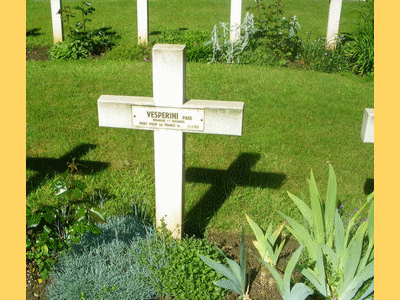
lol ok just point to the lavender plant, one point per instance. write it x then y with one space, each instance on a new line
104 266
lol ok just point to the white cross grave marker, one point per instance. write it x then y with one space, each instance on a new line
236 17
170 116
56 20
143 21
367 129
335 8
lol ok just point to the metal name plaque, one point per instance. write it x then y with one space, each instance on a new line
184 119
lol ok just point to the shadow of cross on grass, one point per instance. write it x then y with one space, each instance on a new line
223 183
47 167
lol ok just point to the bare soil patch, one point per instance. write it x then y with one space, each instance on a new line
37 53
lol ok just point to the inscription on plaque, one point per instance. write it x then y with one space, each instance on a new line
149 117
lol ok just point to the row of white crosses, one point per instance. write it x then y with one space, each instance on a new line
143 20
169 115
335 9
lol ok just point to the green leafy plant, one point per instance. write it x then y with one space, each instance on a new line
51 231
361 45
235 275
265 244
184 275
276 33
79 41
299 291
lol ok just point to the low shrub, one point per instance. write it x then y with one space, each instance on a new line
129 260
183 274
276 34
79 41
103 266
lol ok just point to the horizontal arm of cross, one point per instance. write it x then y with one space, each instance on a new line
220 117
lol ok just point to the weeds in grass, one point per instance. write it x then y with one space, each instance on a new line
51 231
315 56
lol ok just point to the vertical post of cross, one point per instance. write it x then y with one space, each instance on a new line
335 8
143 21
169 80
236 16
56 20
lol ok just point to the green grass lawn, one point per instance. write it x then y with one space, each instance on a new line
294 120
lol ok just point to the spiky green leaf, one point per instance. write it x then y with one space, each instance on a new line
317 216
302 236
371 222
351 290
330 205
304 209
368 291
290 267
227 284
219 268
352 256
277 277
242 263
339 234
